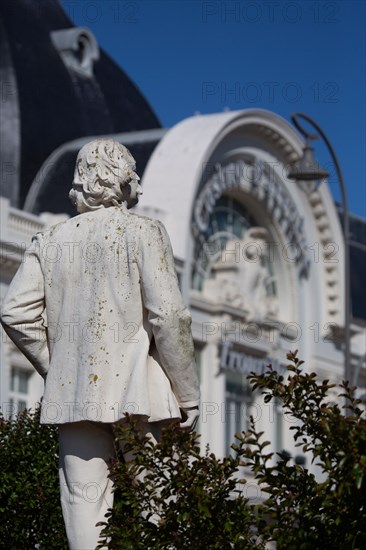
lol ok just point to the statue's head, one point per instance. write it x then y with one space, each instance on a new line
256 242
104 176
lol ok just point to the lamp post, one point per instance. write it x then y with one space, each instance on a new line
307 172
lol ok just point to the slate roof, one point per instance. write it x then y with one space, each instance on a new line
45 103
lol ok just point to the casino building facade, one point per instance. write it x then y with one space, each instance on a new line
260 262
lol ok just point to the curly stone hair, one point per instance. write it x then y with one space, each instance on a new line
103 169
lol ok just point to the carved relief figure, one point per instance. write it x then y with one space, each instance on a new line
240 278
95 307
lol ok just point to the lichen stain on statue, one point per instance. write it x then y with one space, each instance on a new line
241 279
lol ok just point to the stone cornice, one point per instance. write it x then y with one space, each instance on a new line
327 250
277 139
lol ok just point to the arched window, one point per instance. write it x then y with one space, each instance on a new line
229 222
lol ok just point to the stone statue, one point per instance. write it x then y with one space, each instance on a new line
240 278
95 307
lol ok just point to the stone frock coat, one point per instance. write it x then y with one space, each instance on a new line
96 308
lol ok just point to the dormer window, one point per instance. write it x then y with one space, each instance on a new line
77 48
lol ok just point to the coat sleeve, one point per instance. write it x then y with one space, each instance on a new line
170 320
23 309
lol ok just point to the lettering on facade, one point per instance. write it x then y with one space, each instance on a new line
238 361
260 180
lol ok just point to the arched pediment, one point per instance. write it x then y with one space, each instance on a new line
183 163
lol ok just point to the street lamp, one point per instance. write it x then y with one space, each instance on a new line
307 172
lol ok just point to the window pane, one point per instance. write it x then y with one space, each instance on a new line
235 407
22 405
231 421
11 408
23 381
19 380
13 380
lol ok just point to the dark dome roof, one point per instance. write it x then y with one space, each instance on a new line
55 90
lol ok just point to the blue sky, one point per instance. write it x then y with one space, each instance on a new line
206 56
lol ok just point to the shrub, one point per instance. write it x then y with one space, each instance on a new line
192 501
300 512
29 487
172 497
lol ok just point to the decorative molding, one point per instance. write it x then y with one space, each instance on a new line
274 137
327 249
266 330
23 224
254 177
17 229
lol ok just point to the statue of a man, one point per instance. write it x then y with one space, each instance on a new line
96 308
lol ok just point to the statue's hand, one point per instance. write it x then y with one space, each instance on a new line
190 418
